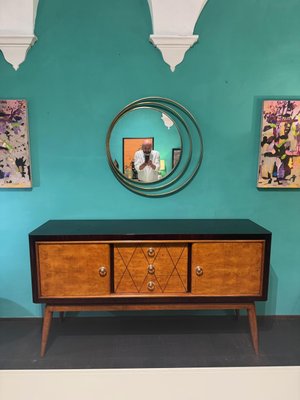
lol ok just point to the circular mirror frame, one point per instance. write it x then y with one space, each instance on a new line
139 184
166 185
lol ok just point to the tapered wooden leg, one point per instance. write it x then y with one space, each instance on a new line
253 325
237 314
46 329
61 316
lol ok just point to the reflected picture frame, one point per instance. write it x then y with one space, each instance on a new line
176 154
130 146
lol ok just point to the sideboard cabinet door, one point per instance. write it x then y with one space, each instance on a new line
227 268
73 269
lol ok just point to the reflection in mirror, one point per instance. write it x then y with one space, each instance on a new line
145 145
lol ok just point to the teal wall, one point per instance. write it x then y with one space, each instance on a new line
92 60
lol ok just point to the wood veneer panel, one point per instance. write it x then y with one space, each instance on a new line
169 261
72 269
229 268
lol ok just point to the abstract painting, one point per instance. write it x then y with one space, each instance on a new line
279 159
14 145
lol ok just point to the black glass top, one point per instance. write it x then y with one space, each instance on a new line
160 228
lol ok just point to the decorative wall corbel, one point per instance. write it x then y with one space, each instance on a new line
17 20
173 24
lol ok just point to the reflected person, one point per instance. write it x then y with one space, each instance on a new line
146 162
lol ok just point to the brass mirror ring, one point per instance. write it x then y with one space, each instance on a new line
165 193
150 186
153 185
145 191
116 170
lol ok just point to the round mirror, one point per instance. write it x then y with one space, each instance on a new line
145 145
154 146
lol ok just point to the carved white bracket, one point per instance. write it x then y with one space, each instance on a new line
15 48
17 20
173 26
173 48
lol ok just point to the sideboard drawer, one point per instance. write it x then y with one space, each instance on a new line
73 269
151 268
227 268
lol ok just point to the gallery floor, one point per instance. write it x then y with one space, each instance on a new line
149 341
140 357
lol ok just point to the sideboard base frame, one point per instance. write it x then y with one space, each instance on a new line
49 309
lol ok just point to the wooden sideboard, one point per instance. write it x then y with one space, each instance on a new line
117 265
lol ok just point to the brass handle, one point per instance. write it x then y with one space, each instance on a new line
151 285
151 269
199 271
102 271
151 252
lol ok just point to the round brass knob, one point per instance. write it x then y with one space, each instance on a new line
151 252
151 269
102 271
151 285
199 271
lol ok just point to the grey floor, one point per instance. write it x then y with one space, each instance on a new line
142 341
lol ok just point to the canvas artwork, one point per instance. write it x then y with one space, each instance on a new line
14 145
279 159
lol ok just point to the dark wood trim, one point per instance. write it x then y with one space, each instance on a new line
34 271
266 269
151 299
189 269
112 275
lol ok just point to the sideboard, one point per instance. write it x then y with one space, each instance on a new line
86 265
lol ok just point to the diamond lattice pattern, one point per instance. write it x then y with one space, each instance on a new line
131 268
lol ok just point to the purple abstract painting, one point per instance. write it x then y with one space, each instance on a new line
14 145
279 160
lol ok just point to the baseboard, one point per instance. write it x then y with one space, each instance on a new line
253 383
